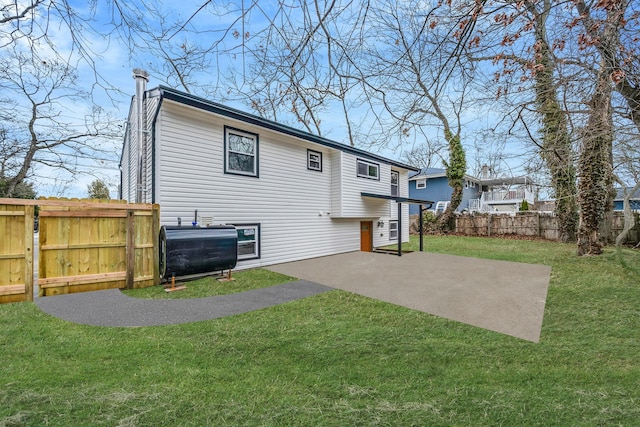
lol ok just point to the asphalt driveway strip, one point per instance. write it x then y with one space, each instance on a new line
113 308
501 296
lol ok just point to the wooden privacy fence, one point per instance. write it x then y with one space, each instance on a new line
528 224
16 252
83 246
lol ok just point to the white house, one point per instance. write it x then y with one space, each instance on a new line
291 195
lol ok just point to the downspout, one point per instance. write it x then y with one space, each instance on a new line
141 77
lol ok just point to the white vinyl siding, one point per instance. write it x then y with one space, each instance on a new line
351 189
129 164
301 214
147 185
130 155
336 184
295 223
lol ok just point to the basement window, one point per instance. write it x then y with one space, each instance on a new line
248 241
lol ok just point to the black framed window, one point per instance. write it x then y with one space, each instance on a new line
368 169
240 152
395 179
314 160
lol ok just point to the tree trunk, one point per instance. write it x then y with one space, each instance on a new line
557 151
456 169
595 167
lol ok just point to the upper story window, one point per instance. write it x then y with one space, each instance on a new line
421 183
395 178
368 169
314 160
240 152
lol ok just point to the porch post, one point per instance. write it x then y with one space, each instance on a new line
399 229
421 227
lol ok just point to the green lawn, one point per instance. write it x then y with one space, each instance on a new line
339 359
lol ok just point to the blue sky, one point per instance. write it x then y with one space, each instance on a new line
114 62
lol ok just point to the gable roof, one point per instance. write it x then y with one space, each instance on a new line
223 110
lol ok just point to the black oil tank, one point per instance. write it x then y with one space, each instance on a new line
194 250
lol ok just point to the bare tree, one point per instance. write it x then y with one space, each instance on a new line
612 27
596 156
422 79
40 127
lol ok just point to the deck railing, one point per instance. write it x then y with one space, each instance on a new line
500 197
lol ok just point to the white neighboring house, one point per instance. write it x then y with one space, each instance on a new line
292 195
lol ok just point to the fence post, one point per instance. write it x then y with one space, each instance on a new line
131 248
488 225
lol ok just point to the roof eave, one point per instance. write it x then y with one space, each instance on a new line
214 107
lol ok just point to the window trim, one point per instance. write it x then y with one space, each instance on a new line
397 184
256 142
396 230
368 163
309 167
423 186
257 254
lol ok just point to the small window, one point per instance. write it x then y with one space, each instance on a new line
421 183
466 184
393 230
240 152
248 241
368 169
395 178
314 160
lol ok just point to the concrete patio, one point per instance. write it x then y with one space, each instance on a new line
500 296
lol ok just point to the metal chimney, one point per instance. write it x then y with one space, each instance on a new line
141 77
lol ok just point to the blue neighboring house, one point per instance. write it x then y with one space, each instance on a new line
618 201
486 194
433 183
